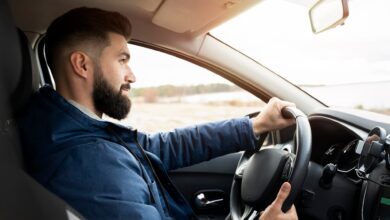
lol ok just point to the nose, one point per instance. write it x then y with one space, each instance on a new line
130 77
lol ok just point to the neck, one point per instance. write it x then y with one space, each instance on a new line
85 110
80 96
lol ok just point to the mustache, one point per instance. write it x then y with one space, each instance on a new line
125 86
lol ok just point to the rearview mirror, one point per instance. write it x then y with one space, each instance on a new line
327 14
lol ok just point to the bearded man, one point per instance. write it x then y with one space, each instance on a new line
105 170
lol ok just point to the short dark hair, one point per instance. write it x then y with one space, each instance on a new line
81 25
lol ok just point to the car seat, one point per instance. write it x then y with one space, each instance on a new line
21 196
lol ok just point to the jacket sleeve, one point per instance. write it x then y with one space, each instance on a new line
103 181
187 146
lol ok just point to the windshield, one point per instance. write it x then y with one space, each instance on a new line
348 66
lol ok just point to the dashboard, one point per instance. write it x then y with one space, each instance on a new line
336 142
342 155
360 185
337 138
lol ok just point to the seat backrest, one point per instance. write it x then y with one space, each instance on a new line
23 86
21 196
10 72
28 81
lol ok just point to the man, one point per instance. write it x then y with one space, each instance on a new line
104 170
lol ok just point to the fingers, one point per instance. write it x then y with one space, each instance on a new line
282 195
277 105
270 118
281 104
274 210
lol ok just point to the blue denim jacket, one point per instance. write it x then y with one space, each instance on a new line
99 168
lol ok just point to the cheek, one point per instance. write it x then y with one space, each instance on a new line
118 74
112 75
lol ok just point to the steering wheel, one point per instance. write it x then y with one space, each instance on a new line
260 174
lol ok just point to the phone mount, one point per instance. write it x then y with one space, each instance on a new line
387 149
373 150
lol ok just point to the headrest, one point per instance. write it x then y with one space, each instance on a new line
25 83
10 52
10 59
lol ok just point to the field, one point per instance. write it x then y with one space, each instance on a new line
155 117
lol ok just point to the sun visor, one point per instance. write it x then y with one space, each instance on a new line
148 5
183 16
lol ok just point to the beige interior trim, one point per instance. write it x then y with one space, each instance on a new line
195 17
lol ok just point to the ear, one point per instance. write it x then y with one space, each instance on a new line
81 63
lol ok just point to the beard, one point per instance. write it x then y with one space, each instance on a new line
107 99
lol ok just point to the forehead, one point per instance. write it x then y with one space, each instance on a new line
117 44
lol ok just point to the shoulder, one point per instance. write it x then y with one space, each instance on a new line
99 152
96 167
104 182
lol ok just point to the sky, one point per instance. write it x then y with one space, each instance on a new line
277 33
282 40
153 68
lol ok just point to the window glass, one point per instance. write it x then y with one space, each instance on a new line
347 66
171 93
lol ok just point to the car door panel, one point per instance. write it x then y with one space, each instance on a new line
213 178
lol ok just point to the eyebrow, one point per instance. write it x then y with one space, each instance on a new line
125 53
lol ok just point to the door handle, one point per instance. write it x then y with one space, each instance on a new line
210 199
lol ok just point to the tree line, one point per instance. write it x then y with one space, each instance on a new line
171 90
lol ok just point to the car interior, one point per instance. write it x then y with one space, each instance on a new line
23 197
338 159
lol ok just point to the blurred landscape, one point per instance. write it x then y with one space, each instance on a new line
163 108
370 96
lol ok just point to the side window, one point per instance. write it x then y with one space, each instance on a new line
171 93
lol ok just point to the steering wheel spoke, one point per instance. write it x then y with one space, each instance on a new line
240 170
249 213
237 177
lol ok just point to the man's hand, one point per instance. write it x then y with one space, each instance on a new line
270 118
274 211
